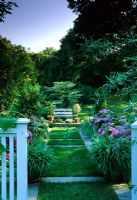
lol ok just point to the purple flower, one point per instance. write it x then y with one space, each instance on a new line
105 119
97 119
104 111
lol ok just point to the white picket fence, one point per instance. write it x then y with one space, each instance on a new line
134 161
18 135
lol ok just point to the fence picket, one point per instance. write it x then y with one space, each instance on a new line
4 169
11 185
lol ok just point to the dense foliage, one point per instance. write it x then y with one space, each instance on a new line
103 18
63 94
17 73
6 8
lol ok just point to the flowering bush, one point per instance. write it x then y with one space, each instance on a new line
37 128
111 151
108 123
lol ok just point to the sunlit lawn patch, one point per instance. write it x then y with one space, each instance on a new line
116 104
86 110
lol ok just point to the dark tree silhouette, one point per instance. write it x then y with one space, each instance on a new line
5 8
99 18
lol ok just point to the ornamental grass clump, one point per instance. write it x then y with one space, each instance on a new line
40 160
113 157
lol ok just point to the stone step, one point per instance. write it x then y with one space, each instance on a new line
68 139
57 145
33 190
64 125
72 179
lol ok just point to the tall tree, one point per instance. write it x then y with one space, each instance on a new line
17 72
100 18
6 8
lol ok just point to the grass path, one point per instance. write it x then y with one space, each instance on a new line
72 161
76 191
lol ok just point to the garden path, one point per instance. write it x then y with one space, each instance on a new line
72 167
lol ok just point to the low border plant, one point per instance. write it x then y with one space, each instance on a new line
113 157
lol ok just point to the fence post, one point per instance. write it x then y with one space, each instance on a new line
22 178
134 161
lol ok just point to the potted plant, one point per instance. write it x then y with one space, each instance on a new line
40 159
76 110
48 111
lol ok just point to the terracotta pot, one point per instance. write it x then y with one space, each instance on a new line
77 120
50 118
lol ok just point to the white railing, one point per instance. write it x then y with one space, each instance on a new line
134 161
18 135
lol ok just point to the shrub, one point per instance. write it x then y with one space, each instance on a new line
37 127
63 94
88 93
113 157
47 109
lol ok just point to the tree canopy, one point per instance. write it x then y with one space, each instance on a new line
100 18
6 7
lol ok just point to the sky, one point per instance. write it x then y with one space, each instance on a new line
37 24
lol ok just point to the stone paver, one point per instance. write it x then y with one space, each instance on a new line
72 179
122 191
86 141
60 139
33 191
58 145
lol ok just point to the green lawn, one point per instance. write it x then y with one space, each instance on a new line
114 103
86 110
76 191
65 142
72 161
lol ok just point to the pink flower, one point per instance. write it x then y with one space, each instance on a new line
7 156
